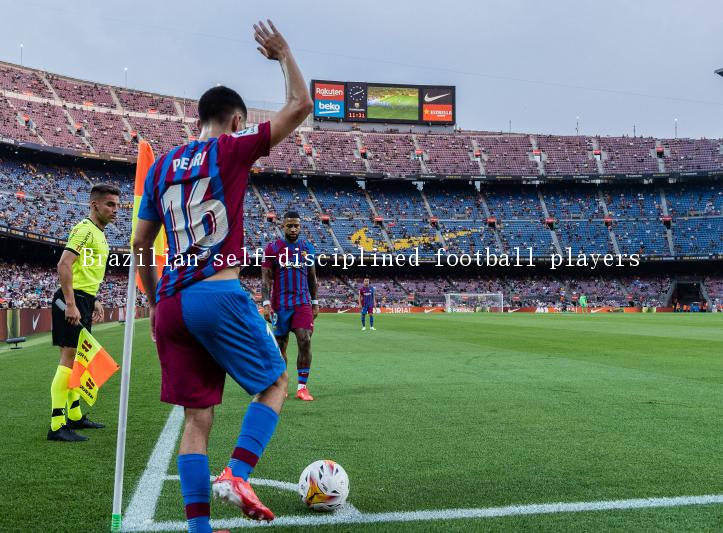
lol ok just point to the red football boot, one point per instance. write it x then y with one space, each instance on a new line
236 491
303 394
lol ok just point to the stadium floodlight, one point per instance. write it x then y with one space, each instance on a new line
472 302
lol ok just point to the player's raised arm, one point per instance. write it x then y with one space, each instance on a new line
273 46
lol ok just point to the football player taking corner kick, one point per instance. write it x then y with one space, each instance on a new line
289 291
204 323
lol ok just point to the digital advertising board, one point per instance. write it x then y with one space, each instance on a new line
353 101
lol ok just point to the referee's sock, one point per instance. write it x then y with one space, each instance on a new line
59 396
74 412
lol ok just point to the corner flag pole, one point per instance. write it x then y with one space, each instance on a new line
143 164
120 449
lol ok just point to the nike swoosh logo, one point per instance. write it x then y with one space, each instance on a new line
35 321
340 311
426 311
428 98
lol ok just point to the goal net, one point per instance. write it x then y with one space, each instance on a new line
470 302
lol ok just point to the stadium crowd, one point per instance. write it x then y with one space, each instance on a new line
31 286
390 215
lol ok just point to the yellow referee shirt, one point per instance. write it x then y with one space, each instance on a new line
88 242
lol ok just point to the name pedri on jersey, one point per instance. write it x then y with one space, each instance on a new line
197 190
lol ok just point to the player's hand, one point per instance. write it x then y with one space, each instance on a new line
152 318
98 312
272 43
267 314
72 315
315 310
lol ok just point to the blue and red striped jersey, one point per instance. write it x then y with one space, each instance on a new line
367 294
289 263
197 190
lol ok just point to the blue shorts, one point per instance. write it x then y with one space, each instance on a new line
206 331
367 310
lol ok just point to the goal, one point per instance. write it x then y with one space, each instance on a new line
472 302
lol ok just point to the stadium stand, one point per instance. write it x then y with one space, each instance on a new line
44 200
628 155
23 81
78 92
336 151
507 155
391 154
449 154
567 155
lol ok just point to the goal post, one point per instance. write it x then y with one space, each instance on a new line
473 302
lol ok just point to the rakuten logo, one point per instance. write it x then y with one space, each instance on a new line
323 92
327 91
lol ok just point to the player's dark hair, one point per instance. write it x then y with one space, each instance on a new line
218 104
101 189
291 214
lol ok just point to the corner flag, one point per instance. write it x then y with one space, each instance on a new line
92 367
143 165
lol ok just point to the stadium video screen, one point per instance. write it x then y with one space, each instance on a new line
390 103
393 103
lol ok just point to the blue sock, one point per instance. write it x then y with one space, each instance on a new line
303 375
196 491
364 320
371 321
258 426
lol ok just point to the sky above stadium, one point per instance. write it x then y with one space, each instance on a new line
529 65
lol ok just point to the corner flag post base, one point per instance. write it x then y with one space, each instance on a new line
115 523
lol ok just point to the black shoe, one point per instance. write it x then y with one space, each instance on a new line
65 434
84 423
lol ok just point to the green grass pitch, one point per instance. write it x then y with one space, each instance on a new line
429 412
400 107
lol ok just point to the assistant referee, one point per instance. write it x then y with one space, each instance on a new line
81 270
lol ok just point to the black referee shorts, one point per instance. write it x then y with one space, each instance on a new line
64 333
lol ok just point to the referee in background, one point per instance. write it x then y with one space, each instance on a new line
81 270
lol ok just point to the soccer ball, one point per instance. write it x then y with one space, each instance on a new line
324 486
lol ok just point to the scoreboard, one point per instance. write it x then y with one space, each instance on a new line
354 101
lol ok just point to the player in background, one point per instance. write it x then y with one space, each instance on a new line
367 302
204 324
288 288
583 303
81 270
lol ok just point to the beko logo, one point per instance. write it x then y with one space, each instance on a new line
326 108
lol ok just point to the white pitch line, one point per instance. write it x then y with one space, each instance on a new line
283 485
448 514
142 508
